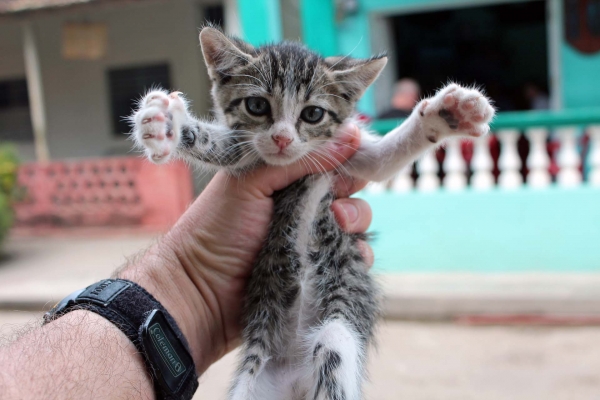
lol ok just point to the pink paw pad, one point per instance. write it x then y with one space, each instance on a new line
456 111
160 117
449 100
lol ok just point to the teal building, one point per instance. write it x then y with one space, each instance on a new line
539 211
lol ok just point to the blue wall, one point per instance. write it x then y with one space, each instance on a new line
580 72
581 78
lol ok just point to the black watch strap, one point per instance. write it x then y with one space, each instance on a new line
147 324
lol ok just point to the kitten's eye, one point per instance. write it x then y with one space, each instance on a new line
312 114
257 106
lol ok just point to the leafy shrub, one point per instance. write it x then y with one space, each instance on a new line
9 163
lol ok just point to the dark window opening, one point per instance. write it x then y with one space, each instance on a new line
15 120
215 15
127 85
502 49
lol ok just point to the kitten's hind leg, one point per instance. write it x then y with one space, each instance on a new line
335 362
253 381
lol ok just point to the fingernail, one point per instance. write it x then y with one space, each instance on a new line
351 212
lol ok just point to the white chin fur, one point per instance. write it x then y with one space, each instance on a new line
279 160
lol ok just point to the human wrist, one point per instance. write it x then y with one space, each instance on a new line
159 271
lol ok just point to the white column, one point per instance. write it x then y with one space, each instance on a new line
538 160
568 158
376 187
455 167
509 162
427 167
594 157
403 182
482 164
36 93
555 34
232 18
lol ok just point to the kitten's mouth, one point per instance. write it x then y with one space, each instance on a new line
281 157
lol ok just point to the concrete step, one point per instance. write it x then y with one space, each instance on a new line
35 273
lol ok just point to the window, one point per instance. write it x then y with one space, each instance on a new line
215 15
15 121
502 47
127 85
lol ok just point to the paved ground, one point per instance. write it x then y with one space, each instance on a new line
38 272
435 361
415 361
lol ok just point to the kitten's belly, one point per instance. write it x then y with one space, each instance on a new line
303 313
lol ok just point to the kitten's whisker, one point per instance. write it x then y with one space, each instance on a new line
244 75
338 61
334 95
330 158
247 84
314 160
249 62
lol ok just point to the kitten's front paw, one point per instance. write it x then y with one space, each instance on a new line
455 111
157 124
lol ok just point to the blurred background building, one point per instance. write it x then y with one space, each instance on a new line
71 71
501 230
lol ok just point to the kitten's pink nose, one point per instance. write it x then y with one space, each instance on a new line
282 141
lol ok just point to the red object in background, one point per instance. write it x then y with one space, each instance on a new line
120 191
529 320
582 24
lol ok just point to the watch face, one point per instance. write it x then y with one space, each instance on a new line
169 358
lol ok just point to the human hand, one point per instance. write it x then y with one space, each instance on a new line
200 269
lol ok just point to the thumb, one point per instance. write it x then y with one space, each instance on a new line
269 179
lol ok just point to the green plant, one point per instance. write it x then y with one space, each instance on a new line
9 163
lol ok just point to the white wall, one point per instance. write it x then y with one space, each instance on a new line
382 40
76 92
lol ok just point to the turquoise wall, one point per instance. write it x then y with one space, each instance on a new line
524 230
260 21
581 78
580 72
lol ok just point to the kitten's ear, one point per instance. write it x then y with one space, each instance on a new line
356 75
221 53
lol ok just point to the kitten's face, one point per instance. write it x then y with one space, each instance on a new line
282 101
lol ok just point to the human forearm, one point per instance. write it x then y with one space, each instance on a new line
79 356
159 270
83 355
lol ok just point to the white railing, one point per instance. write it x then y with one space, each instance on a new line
578 150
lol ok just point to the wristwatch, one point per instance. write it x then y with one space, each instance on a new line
147 324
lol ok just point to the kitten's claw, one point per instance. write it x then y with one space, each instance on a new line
157 124
456 111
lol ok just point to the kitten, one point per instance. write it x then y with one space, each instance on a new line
311 307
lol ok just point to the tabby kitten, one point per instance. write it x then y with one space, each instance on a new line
311 307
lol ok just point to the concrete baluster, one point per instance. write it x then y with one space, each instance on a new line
509 162
377 187
482 165
455 167
427 167
538 160
403 182
594 155
568 158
